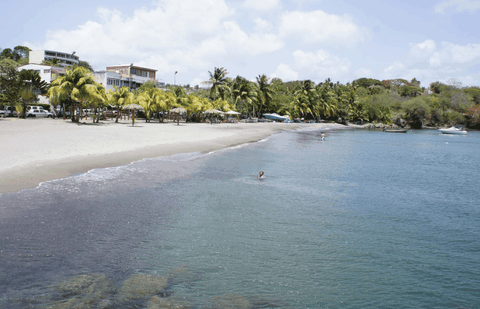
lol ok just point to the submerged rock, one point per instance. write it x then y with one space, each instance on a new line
157 302
85 291
142 286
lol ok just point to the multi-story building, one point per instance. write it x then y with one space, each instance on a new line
64 59
126 75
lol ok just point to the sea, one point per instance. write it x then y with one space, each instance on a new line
363 219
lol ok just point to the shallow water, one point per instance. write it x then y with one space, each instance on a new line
363 219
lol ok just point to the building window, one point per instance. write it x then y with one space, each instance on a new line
132 71
46 71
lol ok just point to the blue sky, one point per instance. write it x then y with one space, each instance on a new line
431 40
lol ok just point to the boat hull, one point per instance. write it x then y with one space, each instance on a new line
276 117
454 131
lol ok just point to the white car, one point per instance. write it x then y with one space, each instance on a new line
39 113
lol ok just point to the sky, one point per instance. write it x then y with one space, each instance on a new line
430 40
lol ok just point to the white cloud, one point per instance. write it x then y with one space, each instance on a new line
284 72
262 25
447 54
254 44
262 5
432 62
461 5
395 68
362 72
321 63
320 27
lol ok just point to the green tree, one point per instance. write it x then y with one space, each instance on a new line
218 80
474 92
9 82
79 85
265 92
305 100
51 62
86 65
244 95
119 98
325 104
409 91
31 84
18 53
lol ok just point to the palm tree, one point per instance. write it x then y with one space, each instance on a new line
98 101
31 83
120 97
305 100
151 99
244 94
299 107
326 104
218 80
265 91
78 84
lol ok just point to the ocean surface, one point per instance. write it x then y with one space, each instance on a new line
364 219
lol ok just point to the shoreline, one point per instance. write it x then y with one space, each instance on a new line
39 150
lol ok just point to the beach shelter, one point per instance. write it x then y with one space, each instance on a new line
178 110
232 113
132 108
214 111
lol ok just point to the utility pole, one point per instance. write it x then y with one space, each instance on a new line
175 78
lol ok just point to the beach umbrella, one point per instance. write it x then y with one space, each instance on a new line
133 107
178 110
232 113
214 111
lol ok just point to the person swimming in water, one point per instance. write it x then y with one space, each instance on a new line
261 175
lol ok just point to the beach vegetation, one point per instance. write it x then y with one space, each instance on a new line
265 92
79 86
219 83
119 98
31 84
9 82
244 95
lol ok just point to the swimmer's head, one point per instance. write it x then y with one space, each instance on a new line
261 173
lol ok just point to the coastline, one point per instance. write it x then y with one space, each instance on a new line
39 150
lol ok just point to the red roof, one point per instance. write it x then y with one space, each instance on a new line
474 110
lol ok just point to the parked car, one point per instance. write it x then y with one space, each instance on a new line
2 113
39 108
38 113
49 114
110 113
10 111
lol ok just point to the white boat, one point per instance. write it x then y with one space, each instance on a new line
276 117
453 130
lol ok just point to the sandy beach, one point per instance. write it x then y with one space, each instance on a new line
38 150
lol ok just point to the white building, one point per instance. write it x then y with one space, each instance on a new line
64 59
126 75
47 72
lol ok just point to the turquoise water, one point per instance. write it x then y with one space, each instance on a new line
365 219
